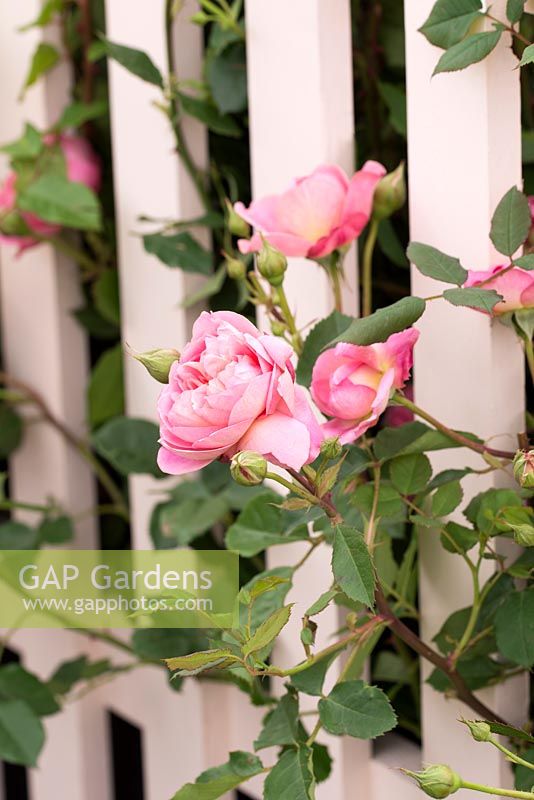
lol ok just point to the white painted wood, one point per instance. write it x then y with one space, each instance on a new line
43 346
464 153
150 180
301 115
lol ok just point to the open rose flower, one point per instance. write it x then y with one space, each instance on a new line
82 166
316 215
352 384
516 287
234 389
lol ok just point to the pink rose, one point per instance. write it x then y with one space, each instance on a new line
316 215
352 383
234 389
82 166
516 287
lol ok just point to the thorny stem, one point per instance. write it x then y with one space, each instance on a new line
509 28
511 756
411 639
367 269
451 434
181 144
477 787
529 353
76 442
289 319
371 525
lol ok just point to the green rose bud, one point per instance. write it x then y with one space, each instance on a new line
390 194
272 264
248 468
236 224
437 780
524 535
235 269
480 731
524 468
278 328
12 224
158 362
331 448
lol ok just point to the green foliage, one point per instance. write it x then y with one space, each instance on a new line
432 262
207 112
56 199
514 627
380 325
16 536
105 392
135 61
262 524
318 338
292 777
473 297
511 222
28 146
227 78
268 630
446 499
514 10
410 474
354 708
352 566
469 51
78 114
311 679
528 56
106 296
217 781
130 445
69 673
44 58
281 725
21 733
56 530
10 430
179 250
449 21
16 683
195 663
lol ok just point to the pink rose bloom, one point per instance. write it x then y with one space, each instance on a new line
234 389
82 166
352 384
316 215
515 286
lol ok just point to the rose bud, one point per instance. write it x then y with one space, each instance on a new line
331 448
524 535
235 269
480 731
248 468
272 264
158 362
437 780
524 468
390 194
235 223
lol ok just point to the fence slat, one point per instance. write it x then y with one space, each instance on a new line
149 179
464 136
43 346
301 115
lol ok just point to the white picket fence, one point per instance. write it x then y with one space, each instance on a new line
464 153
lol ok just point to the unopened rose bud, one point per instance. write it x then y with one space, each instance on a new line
248 468
437 780
524 535
390 194
235 269
331 448
278 328
480 731
524 468
12 224
236 224
158 362
272 264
